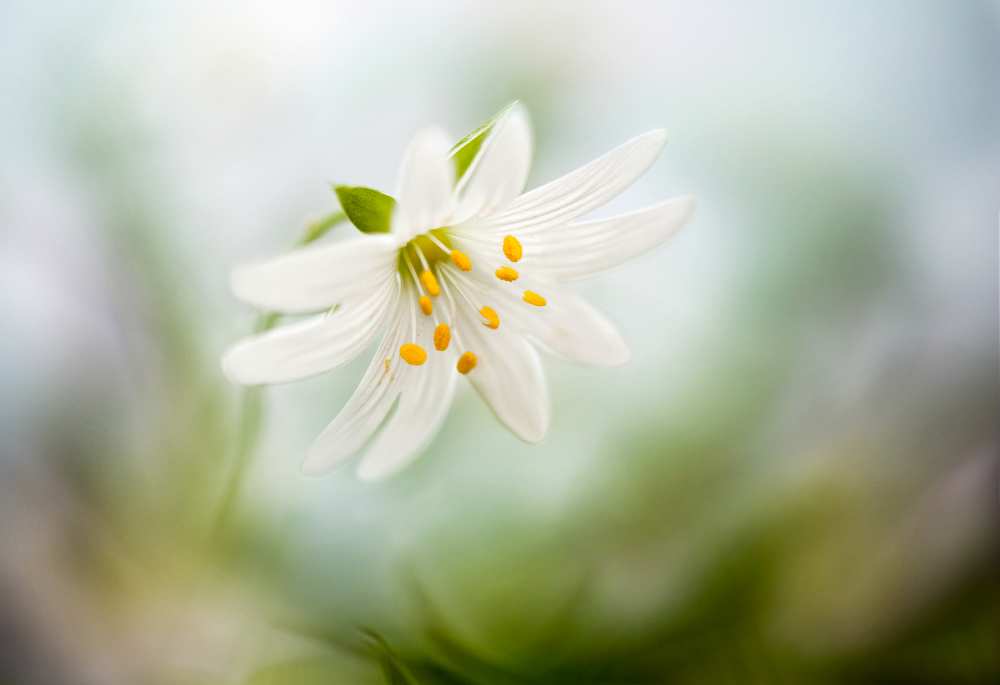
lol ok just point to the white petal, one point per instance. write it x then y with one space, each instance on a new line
426 182
578 192
423 405
570 327
314 278
313 346
567 325
500 170
370 403
508 376
585 248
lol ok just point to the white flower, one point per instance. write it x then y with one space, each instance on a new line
468 282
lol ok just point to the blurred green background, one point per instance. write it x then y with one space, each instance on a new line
795 479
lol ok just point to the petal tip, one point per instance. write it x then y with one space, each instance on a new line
231 367
516 107
657 136
620 357
534 433
688 204
533 437
239 283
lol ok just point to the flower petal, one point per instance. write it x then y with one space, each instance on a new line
579 191
426 182
508 376
570 327
585 248
314 278
500 170
370 403
423 405
313 346
567 325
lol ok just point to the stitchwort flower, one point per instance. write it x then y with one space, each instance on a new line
462 274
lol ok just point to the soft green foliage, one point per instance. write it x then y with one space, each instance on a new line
393 668
468 147
368 209
316 670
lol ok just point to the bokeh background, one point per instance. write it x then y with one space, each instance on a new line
795 479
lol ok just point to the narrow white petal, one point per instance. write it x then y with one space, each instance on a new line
585 248
570 327
508 376
423 405
426 182
370 403
567 325
579 191
500 170
313 346
315 278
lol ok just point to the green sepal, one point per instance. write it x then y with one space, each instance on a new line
368 209
464 152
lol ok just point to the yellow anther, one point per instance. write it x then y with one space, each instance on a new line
466 363
425 305
431 283
506 273
413 354
512 248
442 337
461 260
491 316
531 297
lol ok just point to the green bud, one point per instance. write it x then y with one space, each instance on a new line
368 209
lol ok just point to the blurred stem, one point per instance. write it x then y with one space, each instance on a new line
251 406
317 229
394 670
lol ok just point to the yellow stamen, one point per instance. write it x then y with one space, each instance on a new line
442 337
425 305
492 319
413 354
512 248
534 298
431 283
466 363
505 273
461 260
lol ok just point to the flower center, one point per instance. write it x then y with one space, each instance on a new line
423 269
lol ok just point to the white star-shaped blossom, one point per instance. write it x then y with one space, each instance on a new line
469 282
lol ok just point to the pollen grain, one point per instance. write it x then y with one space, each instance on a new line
531 297
442 337
512 248
425 305
431 283
413 354
506 273
491 316
461 260
466 363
